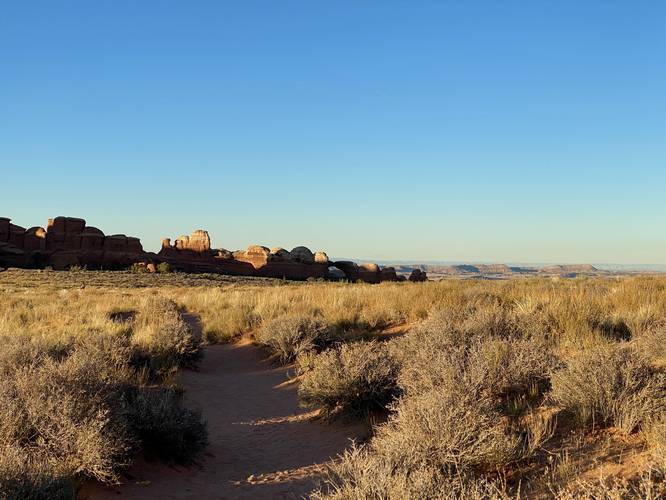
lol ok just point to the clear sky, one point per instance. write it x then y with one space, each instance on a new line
522 131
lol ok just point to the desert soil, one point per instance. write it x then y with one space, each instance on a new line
262 445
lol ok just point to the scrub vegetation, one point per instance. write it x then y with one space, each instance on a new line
534 388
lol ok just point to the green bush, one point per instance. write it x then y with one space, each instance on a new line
163 267
351 379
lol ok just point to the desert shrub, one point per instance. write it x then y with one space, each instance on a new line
360 474
436 445
456 431
62 411
515 370
652 346
162 339
26 477
649 485
610 385
163 426
352 379
287 337
138 268
443 357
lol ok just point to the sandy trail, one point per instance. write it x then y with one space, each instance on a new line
262 445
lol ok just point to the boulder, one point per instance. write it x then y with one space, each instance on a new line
369 273
35 239
335 274
166 243
321 257
388 274
370 267
302 254
279 253
151 268
418 276
350 269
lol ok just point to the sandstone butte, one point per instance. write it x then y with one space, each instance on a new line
69 242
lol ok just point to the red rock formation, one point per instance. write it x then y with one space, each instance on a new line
199 241
35 239
302 254
350 269
16 235
321 257
92 239
388 274
369 273
134 245
66 242
4 229
279 253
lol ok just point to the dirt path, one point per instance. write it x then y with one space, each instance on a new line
262 445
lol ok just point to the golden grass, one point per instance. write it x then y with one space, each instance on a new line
498 326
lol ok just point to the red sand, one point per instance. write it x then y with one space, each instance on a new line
262 445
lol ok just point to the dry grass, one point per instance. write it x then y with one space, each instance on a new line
499 389
289 337
84 388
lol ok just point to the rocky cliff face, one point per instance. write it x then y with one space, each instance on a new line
69 241
194 254
66 242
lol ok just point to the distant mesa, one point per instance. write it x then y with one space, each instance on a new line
566 269
500 271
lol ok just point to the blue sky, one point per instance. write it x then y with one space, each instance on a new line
473 131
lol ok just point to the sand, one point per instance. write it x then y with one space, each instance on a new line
262 445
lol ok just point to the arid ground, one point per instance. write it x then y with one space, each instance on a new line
125 385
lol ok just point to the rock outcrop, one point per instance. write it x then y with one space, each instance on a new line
65 242
321 257
69 241
302 254
417 275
